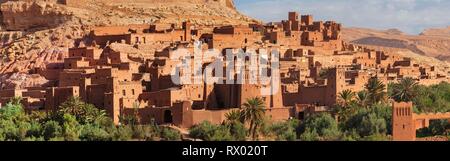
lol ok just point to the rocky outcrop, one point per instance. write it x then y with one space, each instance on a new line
21 80
22 15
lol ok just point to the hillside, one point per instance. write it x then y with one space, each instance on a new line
432 42
35 33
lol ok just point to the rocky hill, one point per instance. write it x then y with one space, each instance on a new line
35 33
431 42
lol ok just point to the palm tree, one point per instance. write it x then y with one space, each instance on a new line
16 100
253 111
85 113
73 106
404 91
376 91
233 117
361 98
345 97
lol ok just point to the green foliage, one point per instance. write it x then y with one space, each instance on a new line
367 122
254 113
346 97
362 98
238 131
375 137
16 101
310 135
70 128
209 132
350 136
375 91
74 121
123 133
13 122
169 134
319 127
35 130
435 98
91 132
437 127
143 132
84 113
12 112
51 129
285 131
404 91
233 117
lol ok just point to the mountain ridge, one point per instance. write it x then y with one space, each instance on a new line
432 42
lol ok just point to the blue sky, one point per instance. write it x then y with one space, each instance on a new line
411 16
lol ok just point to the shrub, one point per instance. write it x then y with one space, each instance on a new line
91 132
51 129
285 131
170 134
367 122
238 131
209 132
123 133
319 127
143 132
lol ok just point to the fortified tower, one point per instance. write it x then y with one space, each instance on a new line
403 128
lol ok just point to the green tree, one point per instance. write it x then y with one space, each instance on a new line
253 111
285 131
16 100
367 122
35 130
238 131
51 129
362 98
404 91
13 112
209 132
233 116
235 125
375 90
346 104
71 128
85 113
319 127
170 134
123 133
90 132
437 127
345 97
14 122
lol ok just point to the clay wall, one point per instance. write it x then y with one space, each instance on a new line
55 96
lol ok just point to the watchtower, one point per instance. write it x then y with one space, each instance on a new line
403 127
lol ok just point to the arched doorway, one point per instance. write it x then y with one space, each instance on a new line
168 116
